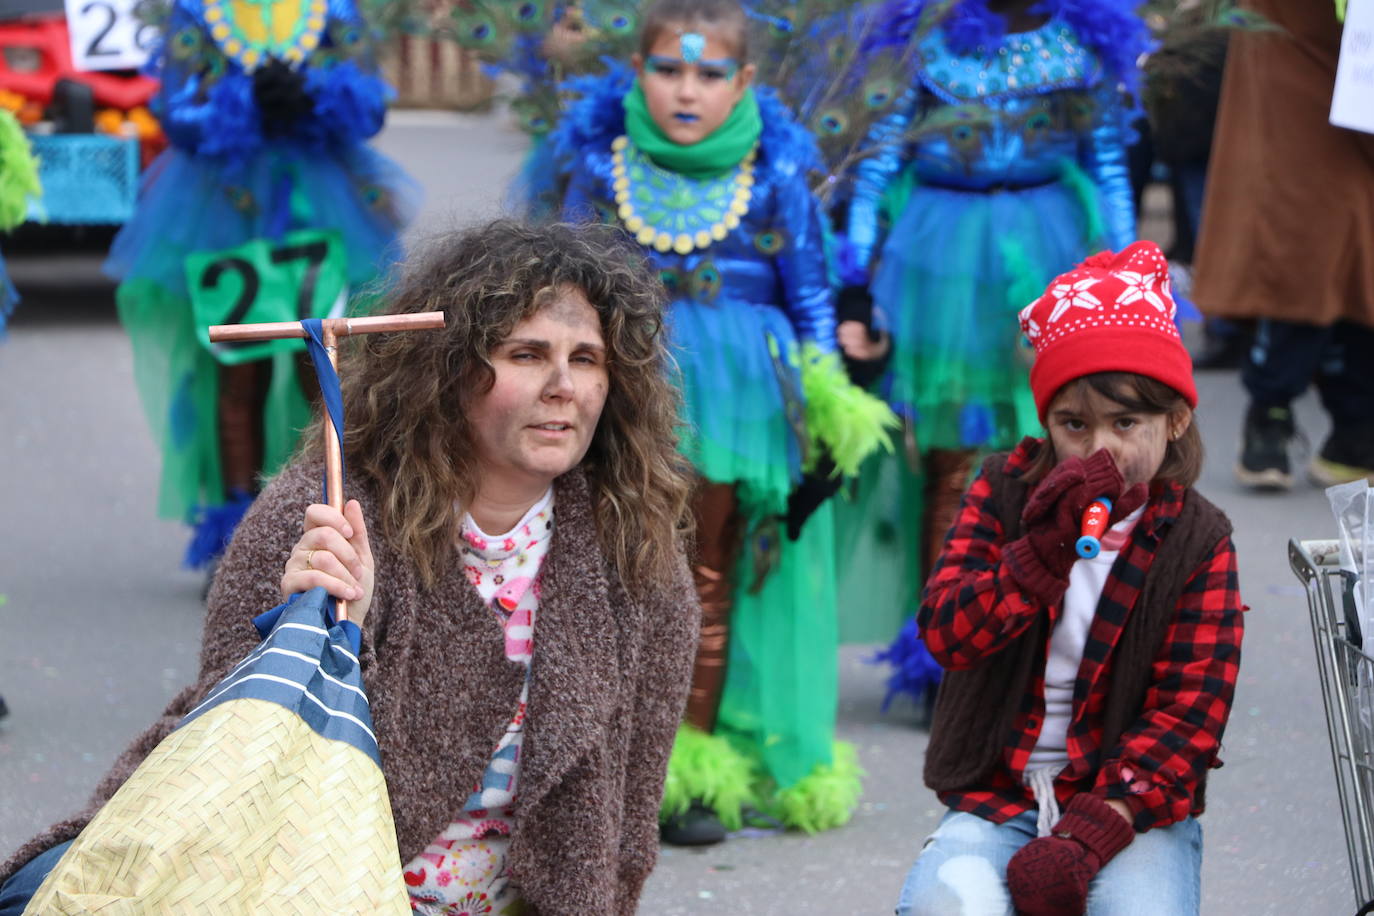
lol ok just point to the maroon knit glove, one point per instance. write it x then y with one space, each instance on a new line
1049 876
1053 518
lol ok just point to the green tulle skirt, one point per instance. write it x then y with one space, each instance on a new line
956 270
878 548
774 747
178 385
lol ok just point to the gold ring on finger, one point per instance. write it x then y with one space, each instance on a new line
308 554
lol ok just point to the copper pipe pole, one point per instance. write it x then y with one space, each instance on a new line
342 327
333 454
333 329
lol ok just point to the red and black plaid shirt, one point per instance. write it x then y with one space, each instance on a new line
972 609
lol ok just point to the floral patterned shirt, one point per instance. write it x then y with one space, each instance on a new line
463 872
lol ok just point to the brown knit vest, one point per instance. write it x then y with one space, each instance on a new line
976 708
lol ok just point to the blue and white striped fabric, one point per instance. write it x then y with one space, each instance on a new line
309 664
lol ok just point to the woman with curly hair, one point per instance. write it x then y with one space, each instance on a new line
513 553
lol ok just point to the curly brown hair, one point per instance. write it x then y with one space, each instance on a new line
406 395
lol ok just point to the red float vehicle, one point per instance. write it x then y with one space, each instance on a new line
91 130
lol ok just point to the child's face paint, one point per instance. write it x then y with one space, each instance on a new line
693 46
1082 421
688 100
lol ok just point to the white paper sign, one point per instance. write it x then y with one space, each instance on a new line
106 35
1352 103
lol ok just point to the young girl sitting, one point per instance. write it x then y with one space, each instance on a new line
1085 699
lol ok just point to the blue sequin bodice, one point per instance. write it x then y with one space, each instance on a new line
1041 101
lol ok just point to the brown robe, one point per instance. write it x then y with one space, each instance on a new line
608 684
1288 220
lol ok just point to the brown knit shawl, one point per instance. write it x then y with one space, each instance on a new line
608 683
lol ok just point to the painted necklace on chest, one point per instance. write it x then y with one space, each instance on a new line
669 212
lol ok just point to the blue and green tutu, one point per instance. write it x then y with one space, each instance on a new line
774 749
741 383
190 204
957 268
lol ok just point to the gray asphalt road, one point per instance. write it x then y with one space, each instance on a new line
98 626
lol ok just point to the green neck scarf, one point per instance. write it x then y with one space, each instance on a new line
724 149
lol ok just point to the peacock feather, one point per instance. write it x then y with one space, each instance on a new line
836 65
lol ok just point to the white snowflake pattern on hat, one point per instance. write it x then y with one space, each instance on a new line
1073 295
1167 285
1029 325
1141 286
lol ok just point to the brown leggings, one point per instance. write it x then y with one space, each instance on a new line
718 541
713 568
242 401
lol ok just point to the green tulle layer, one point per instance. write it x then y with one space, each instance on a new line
878 547
782 678
178 385
761 487
946 389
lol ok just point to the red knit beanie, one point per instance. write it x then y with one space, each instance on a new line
1112 313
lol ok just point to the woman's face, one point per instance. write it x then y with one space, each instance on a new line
538 419
691 86
1080 421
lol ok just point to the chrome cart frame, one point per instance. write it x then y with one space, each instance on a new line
1347 682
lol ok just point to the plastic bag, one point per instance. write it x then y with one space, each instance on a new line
1353 505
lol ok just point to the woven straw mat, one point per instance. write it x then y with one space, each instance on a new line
244 810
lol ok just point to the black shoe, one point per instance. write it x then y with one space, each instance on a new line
4 710
697 826
1263 461
1347 454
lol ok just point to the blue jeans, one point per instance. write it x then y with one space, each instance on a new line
962 871
16 893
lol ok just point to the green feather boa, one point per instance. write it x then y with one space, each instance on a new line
18 173
710 769
841 418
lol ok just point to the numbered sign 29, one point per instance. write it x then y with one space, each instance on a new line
106 35
302 275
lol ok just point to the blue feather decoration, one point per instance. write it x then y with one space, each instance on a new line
916 672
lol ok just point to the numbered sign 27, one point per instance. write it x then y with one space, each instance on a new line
106 35
301 275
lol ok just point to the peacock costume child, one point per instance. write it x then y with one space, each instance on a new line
268 206
18 182
740 242
957 229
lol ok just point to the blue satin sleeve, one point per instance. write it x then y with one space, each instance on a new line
886 151
1103 156
801 264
